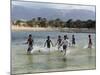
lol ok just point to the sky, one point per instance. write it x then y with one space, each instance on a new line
52 5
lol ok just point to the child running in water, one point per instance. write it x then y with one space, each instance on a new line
73 40
30 44
48 43
90 42
59 41
65 43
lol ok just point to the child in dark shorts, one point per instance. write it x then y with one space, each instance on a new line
59 41
65 44
48 43
30 44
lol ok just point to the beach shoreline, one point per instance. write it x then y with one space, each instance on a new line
69 30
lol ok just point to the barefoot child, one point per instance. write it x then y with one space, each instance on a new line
48 43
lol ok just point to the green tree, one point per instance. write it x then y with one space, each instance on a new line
30 23
18 22
68 23
51 23
90 24
78 23
43 22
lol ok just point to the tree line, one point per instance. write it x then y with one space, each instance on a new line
43 22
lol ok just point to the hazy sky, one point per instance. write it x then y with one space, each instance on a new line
49 5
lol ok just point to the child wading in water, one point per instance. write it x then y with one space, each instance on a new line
65 43
73 40
59 41
30 44
90 42
48 43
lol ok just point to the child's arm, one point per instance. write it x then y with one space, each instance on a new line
51 43
69 43
33 42
61 43
26 42
56 43
45 43
91 42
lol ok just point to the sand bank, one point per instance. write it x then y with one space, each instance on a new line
70 30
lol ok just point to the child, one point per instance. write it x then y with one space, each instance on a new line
90 42
65 44
59 41
30 44
73 40
48 43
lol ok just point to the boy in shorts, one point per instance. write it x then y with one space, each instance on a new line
30 44
65 44
48 43
59 40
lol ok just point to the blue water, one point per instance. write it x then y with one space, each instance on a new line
76 58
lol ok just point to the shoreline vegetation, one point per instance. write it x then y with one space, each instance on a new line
43 24
69 30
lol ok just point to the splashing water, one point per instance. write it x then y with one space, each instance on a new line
40 60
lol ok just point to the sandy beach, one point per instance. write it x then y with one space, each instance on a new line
22 28
70 30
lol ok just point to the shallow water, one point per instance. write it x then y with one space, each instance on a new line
77 58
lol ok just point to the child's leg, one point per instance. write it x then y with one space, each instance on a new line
64 49
72 44
90 46
58 47
48 48
29 50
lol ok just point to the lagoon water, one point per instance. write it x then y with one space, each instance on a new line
77 58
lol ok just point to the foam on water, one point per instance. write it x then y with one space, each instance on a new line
86 46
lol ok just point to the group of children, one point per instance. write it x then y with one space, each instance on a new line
60 42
